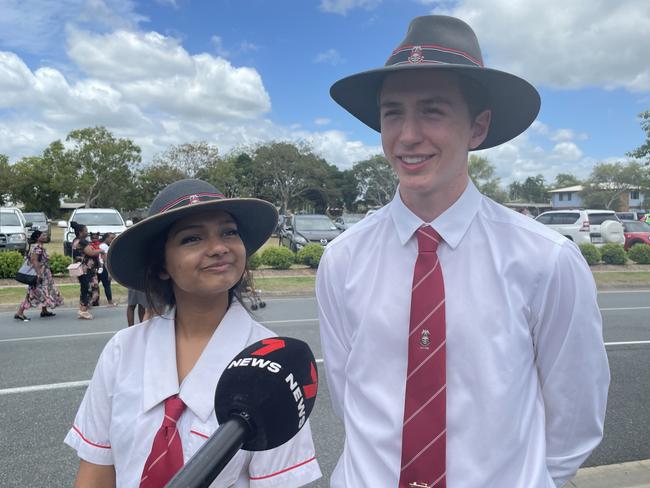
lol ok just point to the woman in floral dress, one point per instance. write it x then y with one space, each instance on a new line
43 293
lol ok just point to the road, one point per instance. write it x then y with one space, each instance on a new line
46 364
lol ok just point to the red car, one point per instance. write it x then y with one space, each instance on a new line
636 232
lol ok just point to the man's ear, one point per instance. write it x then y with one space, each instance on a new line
480 128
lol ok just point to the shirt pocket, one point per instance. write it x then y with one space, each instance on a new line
199 435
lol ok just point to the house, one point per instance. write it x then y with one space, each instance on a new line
569 197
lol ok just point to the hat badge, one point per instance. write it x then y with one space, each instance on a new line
425 338
416 56
194 199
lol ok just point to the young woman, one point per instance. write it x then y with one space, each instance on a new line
84 253
189 256
43 293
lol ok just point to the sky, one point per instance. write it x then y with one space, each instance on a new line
241 72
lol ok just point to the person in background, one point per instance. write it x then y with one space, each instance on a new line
136 299
43 293
84 253
462 341
102 273
189 256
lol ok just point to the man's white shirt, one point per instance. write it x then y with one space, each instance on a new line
123 407
527 372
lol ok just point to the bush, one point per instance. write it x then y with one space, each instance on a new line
255 261
613 254
278 257
639 253
590 253
59 263
10 262
310 255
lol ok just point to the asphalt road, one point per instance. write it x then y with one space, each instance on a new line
46 363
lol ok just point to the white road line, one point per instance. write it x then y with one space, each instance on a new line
290 321
60 336
55 386
628 343
623 308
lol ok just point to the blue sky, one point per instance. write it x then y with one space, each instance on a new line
236 72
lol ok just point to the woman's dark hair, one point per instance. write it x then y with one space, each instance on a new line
106 236
159 292
77 227
33 239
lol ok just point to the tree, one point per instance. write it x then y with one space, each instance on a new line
152 179
190 157
563 180
285 172
376 180
105 167
643 151
5 179
482 174
532 190
608 181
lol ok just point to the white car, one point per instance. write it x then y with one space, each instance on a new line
101 220
13 232
585 226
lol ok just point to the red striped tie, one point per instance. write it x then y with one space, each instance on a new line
166 456
424 430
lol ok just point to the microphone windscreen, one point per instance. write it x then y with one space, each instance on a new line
275 382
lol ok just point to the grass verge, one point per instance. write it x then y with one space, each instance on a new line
622 279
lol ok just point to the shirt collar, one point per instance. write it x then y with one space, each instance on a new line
452 224
198 387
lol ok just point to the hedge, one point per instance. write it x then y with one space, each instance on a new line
639 253
255 261
310 255
59 263
590 253
10 262
613 254
278 257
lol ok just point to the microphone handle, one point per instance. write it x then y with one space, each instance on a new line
209 461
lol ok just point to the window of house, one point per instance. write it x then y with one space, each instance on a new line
634 194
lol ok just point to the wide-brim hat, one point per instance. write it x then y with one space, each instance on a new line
438 42
256 219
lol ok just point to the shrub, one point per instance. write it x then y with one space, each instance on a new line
639 253
613 254
310 255
10 262
590 253
255 261
59 263
278 257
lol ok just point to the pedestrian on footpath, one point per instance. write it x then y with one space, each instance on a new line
43 293
189 257
462 341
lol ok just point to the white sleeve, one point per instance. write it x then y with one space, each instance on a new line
333 332
291 465
571 363
89 434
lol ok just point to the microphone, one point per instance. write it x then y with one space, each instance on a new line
262 400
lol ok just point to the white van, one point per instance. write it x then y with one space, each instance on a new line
102 220
13 232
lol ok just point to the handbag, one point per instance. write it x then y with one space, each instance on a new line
75 269
26 274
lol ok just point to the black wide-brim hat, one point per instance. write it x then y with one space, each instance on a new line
256 219
438 42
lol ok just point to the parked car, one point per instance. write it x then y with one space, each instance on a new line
632 215
585 226
100 220
301 230
346 221
636 233
13 230
39 222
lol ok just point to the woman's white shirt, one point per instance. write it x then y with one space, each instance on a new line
123 407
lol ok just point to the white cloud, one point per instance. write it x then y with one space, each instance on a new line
219 48
343 6
567 135
322 121
564 44
331 56
334 146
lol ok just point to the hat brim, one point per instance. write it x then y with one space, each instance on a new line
513 101
256 220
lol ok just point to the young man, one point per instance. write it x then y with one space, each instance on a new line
462 341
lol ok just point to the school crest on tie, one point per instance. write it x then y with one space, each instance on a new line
425 338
